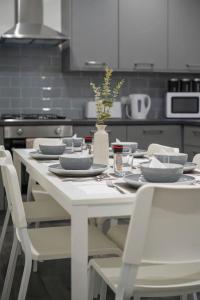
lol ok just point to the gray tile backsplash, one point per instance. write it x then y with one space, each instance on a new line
32 79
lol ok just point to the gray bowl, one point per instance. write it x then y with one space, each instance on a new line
170 174
132 145
52 149
70 141
76 162
173 158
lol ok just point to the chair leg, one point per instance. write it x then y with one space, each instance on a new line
194 296
11 270
29 189
103 290
97 285
91 283
4 228
35 263
184 297
25 277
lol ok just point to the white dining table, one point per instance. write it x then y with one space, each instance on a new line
82 200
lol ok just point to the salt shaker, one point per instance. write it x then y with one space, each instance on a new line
88 142
118 160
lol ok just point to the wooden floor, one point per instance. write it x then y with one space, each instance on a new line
51 282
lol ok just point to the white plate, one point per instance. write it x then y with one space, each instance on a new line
137 180
93 171
189 167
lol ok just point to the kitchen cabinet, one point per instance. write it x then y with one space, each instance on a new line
114 132
169 135
142 34
94 34
7 15
183 34
2 195
192 135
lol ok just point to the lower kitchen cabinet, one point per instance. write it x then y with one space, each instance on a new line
192 135
169 135
191 141
114 131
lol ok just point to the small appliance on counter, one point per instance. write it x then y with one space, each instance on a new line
183 105
173 85
184 85
90 110
138 106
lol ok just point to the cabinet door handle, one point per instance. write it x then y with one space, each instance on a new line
196 133
153 132
192 66
143 66
93 63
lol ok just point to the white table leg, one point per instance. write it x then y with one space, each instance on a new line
18 166
79 253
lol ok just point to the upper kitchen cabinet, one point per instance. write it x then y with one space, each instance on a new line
7 15
142 34
94 34
184 42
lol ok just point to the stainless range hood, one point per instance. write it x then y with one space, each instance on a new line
29 27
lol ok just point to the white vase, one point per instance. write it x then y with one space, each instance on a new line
101 145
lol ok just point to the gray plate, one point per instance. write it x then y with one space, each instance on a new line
137 180
189 167
93 171
39 155
139 153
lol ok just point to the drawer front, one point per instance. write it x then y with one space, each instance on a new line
192 135
191 151
114 132
164 134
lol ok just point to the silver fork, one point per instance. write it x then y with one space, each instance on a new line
78 179
114 186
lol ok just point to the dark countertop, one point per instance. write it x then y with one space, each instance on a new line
91 122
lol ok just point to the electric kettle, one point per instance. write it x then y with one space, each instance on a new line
139 106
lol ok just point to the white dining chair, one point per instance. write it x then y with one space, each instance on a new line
162 250
40 244
117 233
40 210
196 159
156 148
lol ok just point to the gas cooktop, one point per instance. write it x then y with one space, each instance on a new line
32 117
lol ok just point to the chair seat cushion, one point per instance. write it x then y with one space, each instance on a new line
151 278
117 234
45 208
55 243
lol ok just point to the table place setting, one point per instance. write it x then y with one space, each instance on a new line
125 170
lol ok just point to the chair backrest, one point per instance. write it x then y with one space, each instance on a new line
196 159
156 148
13 193
165 226
46 141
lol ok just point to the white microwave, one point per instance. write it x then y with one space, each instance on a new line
183 105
